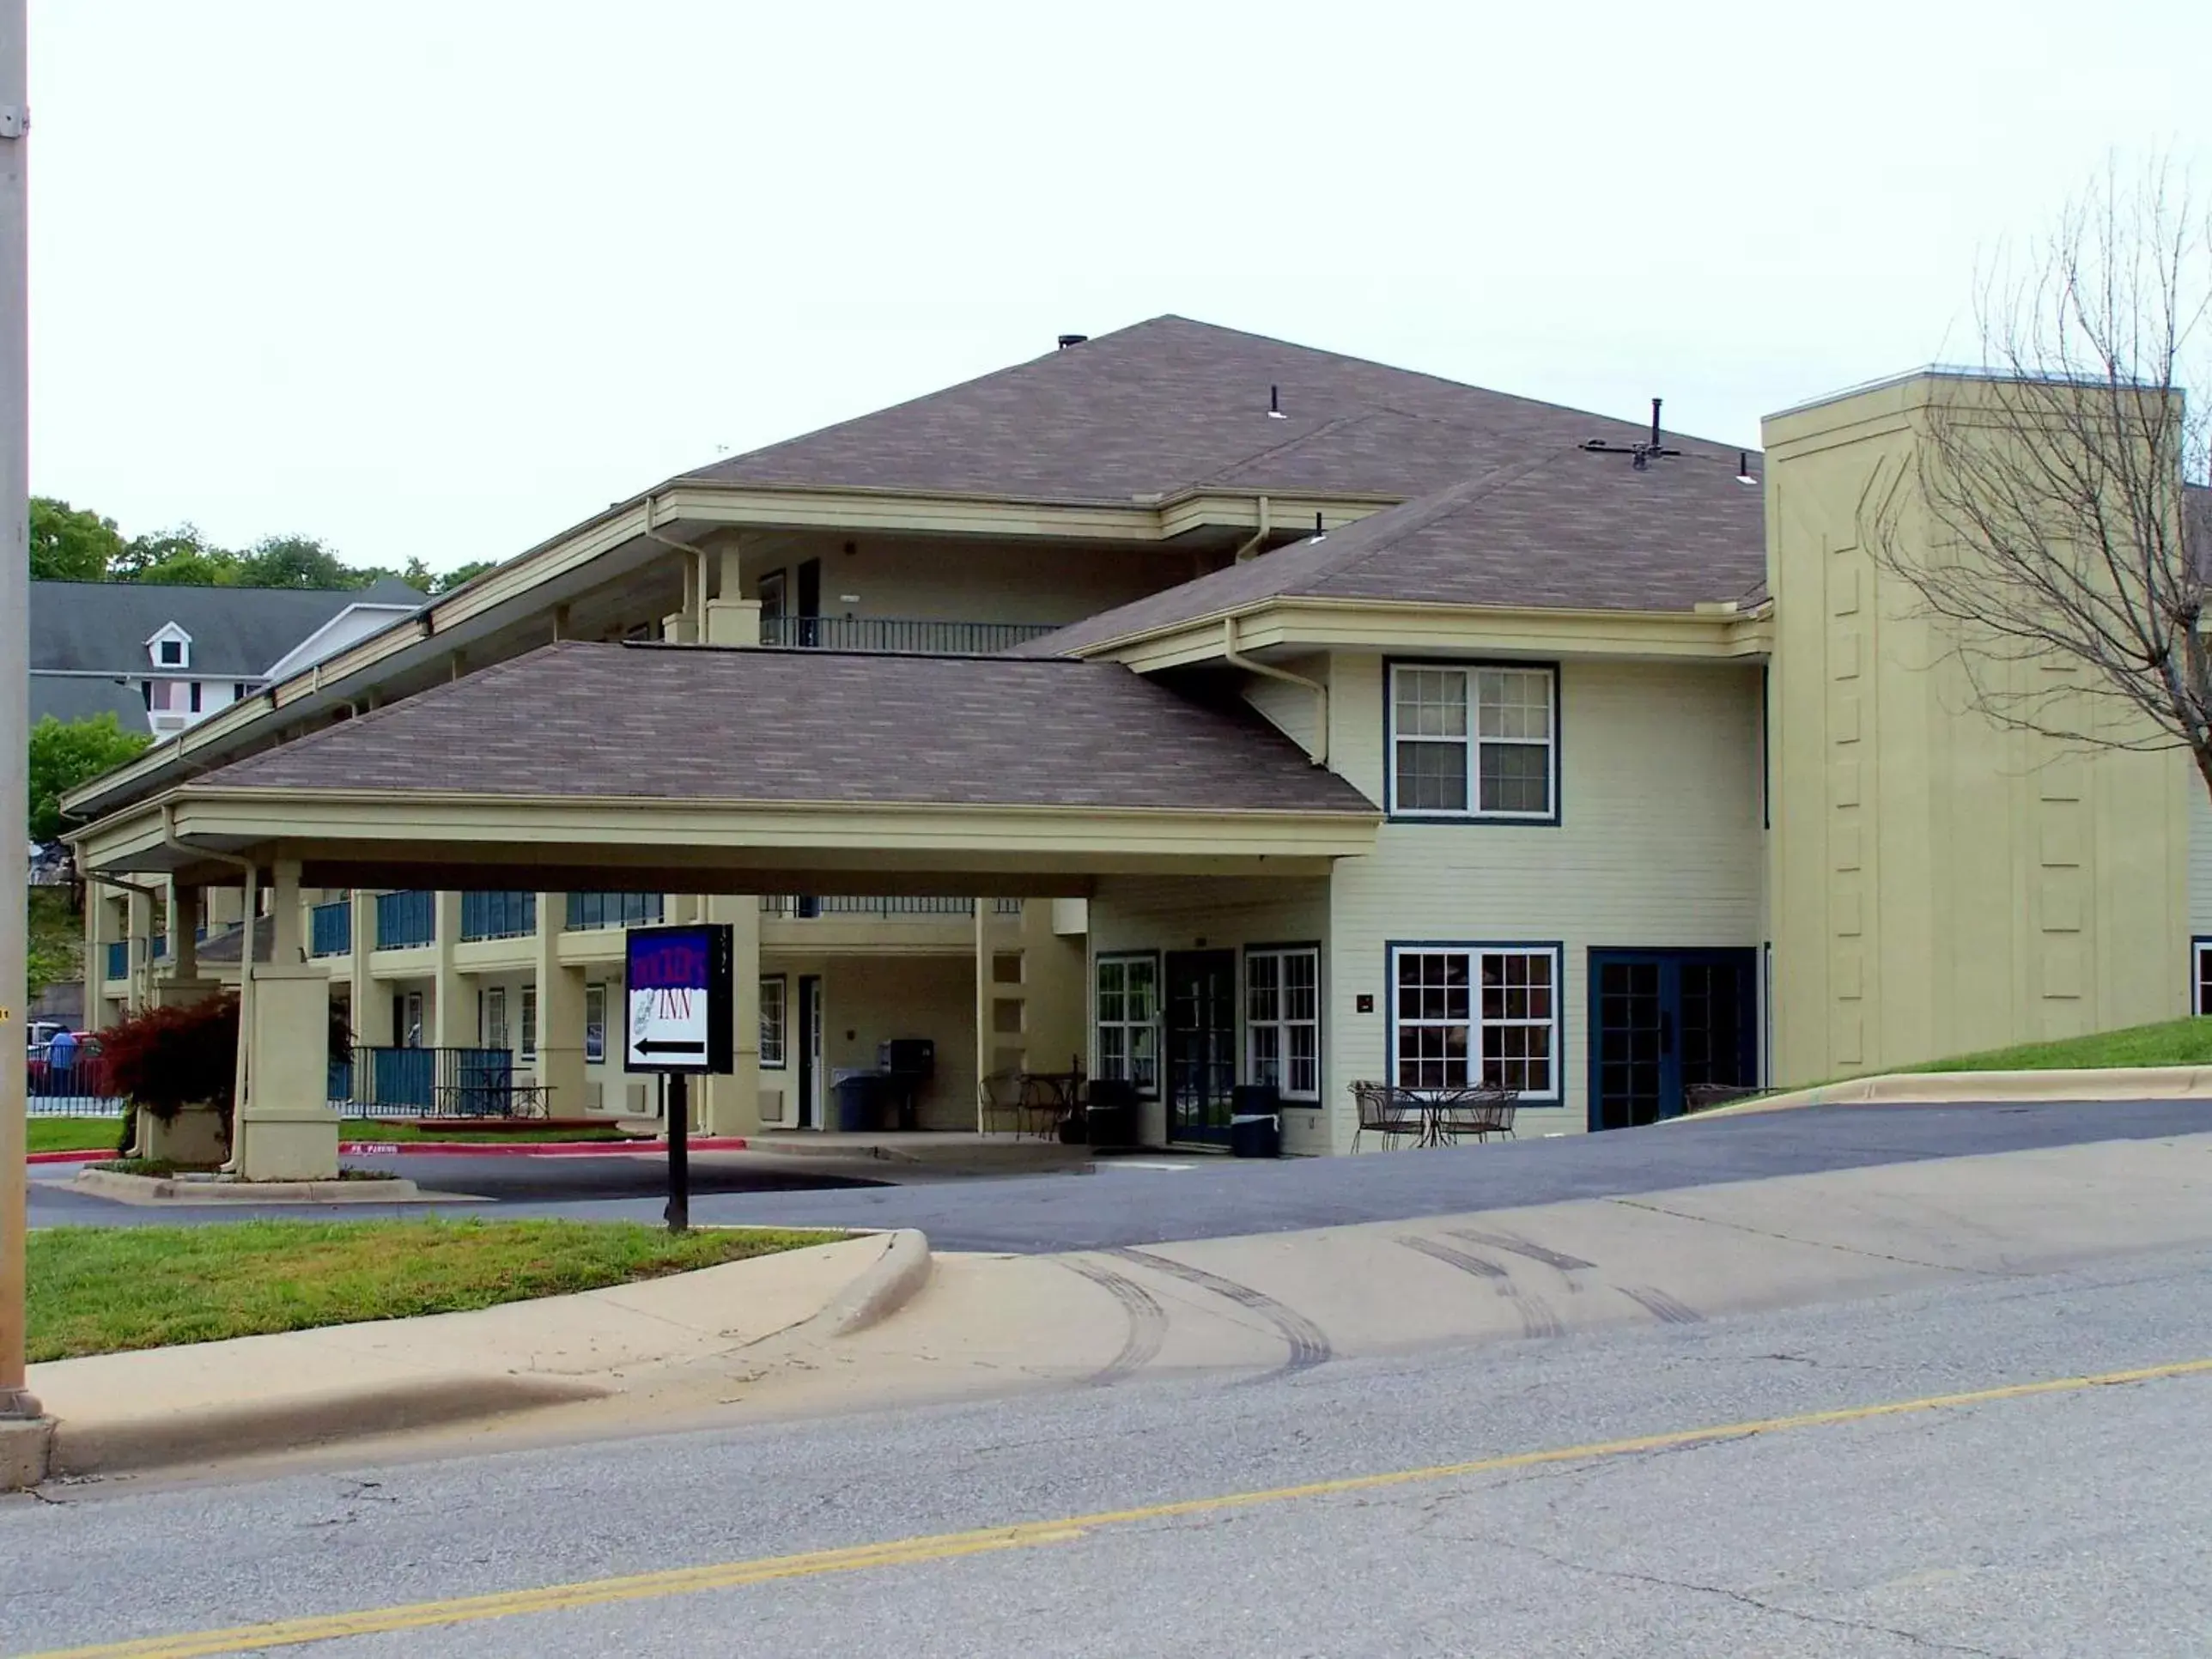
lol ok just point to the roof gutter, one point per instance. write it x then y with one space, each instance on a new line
1251 549
1317 750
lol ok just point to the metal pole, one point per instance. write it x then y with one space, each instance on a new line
679 1153
15 1398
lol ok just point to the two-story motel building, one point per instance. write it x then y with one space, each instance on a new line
1195 707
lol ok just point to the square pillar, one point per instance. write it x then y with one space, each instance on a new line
452 1017
732 1104
361 962
286 1129
139 907
733 622
181 985
98 930
560 1015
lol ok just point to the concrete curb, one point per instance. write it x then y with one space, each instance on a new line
78 1157
1945 1088
304 1420
24 1444
153 1189
895 1279
530 1149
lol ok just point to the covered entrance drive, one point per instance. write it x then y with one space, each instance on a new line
713 776
1663 1023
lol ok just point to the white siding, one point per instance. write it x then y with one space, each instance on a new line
1659 845
2200 860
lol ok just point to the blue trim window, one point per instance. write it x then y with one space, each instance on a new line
1465 1016
2200 981
1473 741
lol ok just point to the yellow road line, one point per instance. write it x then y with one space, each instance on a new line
946 1547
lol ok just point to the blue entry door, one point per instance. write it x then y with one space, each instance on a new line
1663 1022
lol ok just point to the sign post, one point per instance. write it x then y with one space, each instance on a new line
679 987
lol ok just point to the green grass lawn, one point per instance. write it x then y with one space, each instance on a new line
76 1134
103 1289
2175 1043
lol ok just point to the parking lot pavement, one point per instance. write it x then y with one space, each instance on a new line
1155 1198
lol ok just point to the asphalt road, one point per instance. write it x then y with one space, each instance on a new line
2064 1523
1157 1198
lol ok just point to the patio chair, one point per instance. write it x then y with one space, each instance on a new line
1477 1115
1387 1112
999 1096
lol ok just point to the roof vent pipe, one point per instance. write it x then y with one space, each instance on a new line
1655 401
1275 403
1743 467
1068 340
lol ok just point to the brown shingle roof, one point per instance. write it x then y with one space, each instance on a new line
1567 530
579 720
1172 405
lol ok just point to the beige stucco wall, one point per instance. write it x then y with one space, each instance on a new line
1940 884
1658 845
1183 914
867 999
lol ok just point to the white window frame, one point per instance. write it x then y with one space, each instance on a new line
1478 1050
493 1033
528 1045
775 1023
1114 1061
1278 1022
1472 740
595 1024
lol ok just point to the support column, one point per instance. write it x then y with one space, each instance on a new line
181 986
286 1129
732 1102
560 1015
361 1013
139 933
452 1014
98 930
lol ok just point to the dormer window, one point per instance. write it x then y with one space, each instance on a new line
171 647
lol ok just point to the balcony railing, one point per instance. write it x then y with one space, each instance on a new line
498 915
405 920
379 1082
783 904
330 928
119 958
589 910
907 635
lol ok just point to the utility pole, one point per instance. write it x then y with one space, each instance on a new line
15 1400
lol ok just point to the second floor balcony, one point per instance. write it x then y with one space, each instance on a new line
913 635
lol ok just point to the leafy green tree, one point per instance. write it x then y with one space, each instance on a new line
66 754
179 558
298 562
71 544
446 581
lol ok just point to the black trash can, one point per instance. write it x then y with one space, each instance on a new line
1256 1135
857 1101
1111 1117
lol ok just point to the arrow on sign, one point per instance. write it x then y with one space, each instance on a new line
660 1046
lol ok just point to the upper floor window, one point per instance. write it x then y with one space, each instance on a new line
171 647
1474 742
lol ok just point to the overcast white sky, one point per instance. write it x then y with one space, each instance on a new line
443 278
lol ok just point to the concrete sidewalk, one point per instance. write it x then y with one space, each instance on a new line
206 1401
1983 1088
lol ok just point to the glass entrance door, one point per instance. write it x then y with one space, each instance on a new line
1663 1022
1202 1043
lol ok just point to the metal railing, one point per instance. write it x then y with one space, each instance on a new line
912 636
405 920
329 929
784 904
498 915
375 1081
589 911
75 1086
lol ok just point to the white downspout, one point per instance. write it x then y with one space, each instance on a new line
241 1077
1317 750
698 556
1250 548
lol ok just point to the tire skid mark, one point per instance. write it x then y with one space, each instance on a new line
1518 1246
1452 1256
1537 1318
1148 1321
1309 1343
1667 1310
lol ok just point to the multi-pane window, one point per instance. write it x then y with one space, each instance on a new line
1473 742
529 1022
595 1023
1128 1020
1282 1021
1468 1017
772 1022
2202 951
493 1035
